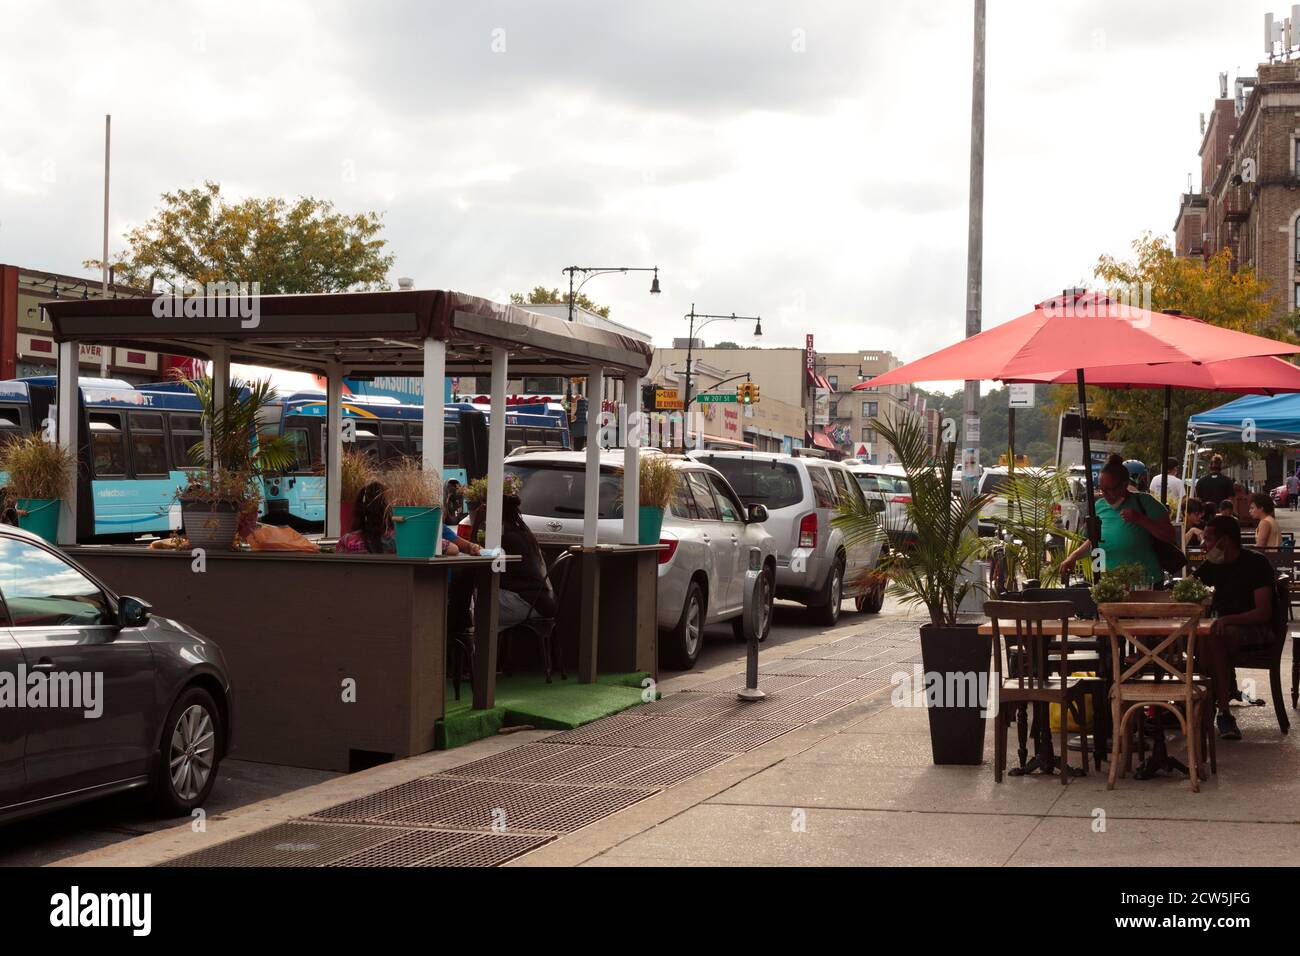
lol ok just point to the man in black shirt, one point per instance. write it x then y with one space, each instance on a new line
1215 486
1243 583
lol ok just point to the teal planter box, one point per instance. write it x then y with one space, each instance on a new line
649 523
416 530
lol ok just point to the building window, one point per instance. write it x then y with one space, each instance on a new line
1297 157
835 382
868 434
835 409
867 378
1297 295
870 409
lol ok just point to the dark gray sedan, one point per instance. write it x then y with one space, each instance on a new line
96 695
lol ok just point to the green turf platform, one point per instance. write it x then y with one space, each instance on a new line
528 699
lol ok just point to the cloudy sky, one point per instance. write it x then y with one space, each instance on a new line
806 161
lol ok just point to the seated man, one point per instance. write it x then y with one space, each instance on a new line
1243 604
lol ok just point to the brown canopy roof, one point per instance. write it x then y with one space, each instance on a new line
367 332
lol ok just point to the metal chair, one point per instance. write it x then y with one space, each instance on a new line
539 625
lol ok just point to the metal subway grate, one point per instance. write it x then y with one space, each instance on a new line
672 770
377 804
811 668
492 849
484 805
566 759
507 760
858 688
626 760
410 848
757 709
737 682
748 737
862 654
664 705
805 711
588 806
597 728
296 843
820 685
711 705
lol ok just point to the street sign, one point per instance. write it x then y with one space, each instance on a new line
862 451
716 398
1020 396
666 398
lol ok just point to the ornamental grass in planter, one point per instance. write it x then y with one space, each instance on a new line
39 478
415 496
356 470
655 489
936 573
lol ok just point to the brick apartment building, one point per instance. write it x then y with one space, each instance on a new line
1249 199
852 413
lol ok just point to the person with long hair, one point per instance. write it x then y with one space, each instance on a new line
1266 533
1194 531
372 523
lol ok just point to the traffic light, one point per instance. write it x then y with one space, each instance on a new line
648 397
753 393
743 393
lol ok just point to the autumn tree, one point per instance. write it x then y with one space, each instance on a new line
540 295
1217 290
304 245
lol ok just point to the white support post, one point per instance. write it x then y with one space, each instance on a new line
334 451
435 377
591 500
220 383
496 449
631 423
66 435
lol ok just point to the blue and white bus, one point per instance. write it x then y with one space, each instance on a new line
135 443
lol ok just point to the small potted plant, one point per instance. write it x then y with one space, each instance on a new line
476 496
1192 591
39 478
655 484
415 495
356 470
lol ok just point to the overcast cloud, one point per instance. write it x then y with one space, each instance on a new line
806 161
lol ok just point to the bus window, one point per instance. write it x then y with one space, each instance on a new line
393 444
107 449
187 431
450 448
11 424
301 448
148 446
367 439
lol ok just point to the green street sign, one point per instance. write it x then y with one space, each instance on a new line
715 399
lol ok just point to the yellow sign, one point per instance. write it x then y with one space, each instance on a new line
667 398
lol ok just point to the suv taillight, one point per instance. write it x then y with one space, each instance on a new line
667 553
901 500
808 531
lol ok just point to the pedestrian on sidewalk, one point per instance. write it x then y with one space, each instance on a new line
1292 490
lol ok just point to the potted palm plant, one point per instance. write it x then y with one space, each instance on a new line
936 574
1030 530
223 493
39 474
415 495
655 485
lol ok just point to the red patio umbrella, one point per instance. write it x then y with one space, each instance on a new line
1082 331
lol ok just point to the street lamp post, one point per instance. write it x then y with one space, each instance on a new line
589 273
690 340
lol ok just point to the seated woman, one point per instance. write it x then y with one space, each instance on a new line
372 523
1266 533
1194 532
523 584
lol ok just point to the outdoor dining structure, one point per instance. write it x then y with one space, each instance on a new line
338 661
1086 338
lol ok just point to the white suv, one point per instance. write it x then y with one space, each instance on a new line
712 540
802 495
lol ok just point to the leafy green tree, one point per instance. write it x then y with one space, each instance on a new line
540 295
301 246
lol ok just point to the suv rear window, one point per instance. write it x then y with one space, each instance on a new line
994 484
772 484
886 484
558 491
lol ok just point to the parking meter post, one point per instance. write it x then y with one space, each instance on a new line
750 616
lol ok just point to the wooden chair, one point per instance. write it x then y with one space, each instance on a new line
1155 668
1269 656
1029 679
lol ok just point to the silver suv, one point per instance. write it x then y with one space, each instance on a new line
712 540
813 566
889 494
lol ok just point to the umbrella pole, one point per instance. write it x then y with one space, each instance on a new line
1092 528
1164 449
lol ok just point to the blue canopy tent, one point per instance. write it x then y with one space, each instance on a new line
1265 417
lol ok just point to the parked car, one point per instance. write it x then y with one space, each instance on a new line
712 540
814 565
1069 511
143 702
887 485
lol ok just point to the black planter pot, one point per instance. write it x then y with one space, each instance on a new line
956 653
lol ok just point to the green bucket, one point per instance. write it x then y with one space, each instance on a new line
416 530
40 516
650 522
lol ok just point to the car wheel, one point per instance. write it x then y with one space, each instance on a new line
827 613
682 649
873 600
190 753
766 595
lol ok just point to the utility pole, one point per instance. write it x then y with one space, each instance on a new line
975 234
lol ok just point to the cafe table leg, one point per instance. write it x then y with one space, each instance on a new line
487 609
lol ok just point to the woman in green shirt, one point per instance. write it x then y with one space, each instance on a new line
1128 523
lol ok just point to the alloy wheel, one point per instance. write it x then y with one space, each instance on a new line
193 749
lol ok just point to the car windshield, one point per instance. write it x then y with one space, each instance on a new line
772 484
557 490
